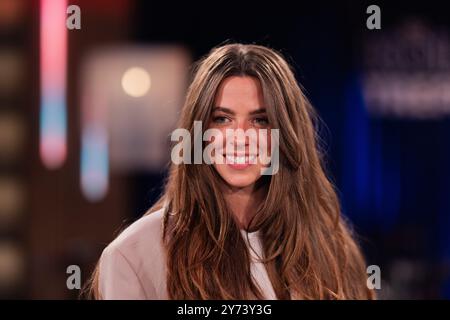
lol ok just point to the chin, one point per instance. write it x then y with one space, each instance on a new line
238 183
239 179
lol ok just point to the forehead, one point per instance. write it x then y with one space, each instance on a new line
240 92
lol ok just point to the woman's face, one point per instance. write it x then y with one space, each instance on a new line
239 104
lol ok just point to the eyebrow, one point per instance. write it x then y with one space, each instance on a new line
229 111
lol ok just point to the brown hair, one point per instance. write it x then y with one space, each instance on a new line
309 250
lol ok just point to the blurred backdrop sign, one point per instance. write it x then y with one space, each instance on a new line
407 71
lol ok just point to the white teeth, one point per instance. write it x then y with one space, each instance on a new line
230 159
241 159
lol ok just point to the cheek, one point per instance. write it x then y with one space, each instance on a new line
264 146
221 141
216 143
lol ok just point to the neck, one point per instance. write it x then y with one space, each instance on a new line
243 202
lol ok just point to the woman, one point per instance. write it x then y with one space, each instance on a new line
227 231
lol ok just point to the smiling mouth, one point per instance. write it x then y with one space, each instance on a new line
240 160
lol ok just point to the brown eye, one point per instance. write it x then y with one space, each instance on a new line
220 119
261 121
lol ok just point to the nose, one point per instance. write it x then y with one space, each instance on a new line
239 138
241 124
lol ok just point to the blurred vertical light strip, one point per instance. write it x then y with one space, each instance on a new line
94 162
53 60
356 155
371 167
94 149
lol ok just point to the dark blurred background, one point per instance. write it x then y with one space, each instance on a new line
85 115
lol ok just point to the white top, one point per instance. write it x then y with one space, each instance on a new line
133 266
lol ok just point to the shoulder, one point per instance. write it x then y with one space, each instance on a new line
144 233
135 260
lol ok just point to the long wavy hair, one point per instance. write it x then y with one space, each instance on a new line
309 249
